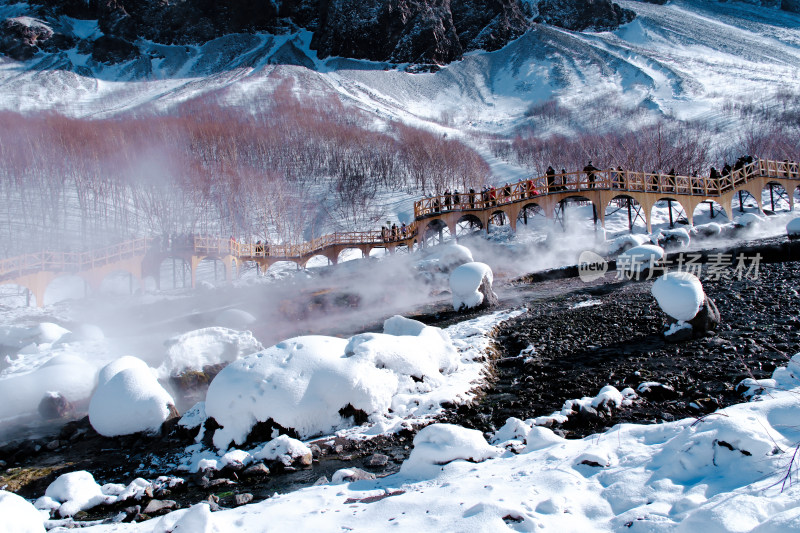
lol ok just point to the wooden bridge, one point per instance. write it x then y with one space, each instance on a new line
143 257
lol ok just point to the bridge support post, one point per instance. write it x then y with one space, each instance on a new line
669 207
630 216
741 202
771 196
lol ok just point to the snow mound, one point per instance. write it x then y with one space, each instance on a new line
678 237
234 319
512 433
130 401
196 519
711 229
82 333
793 228
640 257
65 373
118 365
284 449
208 346
440 444
19 516
446 257
75 491
465 282
423 352
748 220
20 336
540 437
679 294
625 242
301 383
304 383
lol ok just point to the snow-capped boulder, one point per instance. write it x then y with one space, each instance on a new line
673 238
471 286
65 374
706 231
285 450
626 242
118 365
75 491
440 444
540 437
19 515
129 401
196 519
793 228
640 258
203 347
445 258
680 295
748 220
301 383
315 384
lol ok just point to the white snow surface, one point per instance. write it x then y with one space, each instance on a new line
128 401
465 282
19 515
722 473
625 242
73 492
284 449
679 294
303 383
208 346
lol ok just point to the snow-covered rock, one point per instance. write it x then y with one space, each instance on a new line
673 238
705 231
640 258
67 374
19 515
512 433
471 286
679 294
286 450
445 258
748 220
625 242
793 228
129 401
118 365
196 519
208 346
540 437
305 383
440 444
75 491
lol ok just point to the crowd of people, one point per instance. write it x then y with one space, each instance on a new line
394 232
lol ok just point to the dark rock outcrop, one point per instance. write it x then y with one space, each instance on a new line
582 15
20 37
399 31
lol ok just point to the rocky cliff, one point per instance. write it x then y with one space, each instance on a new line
398 31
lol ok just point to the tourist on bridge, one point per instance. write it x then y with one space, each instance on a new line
672 180
654 180
697 183
590 176
456 200
436 205
551 179
507 192
727 178
259 248
563 186
531 189
447 200
394 232
618 182
471 198
404 230
384 234
492 196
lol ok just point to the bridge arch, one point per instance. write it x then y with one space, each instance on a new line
19 295
530 210
631 211
65 286
350 253
574 202
117 281
670 210
316 261
776 198
467 224
175 272
709 210
436 228
277 267
500 217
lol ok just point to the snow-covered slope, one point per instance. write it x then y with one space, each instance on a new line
690 60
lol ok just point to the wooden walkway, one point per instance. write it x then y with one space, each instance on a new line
143 257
